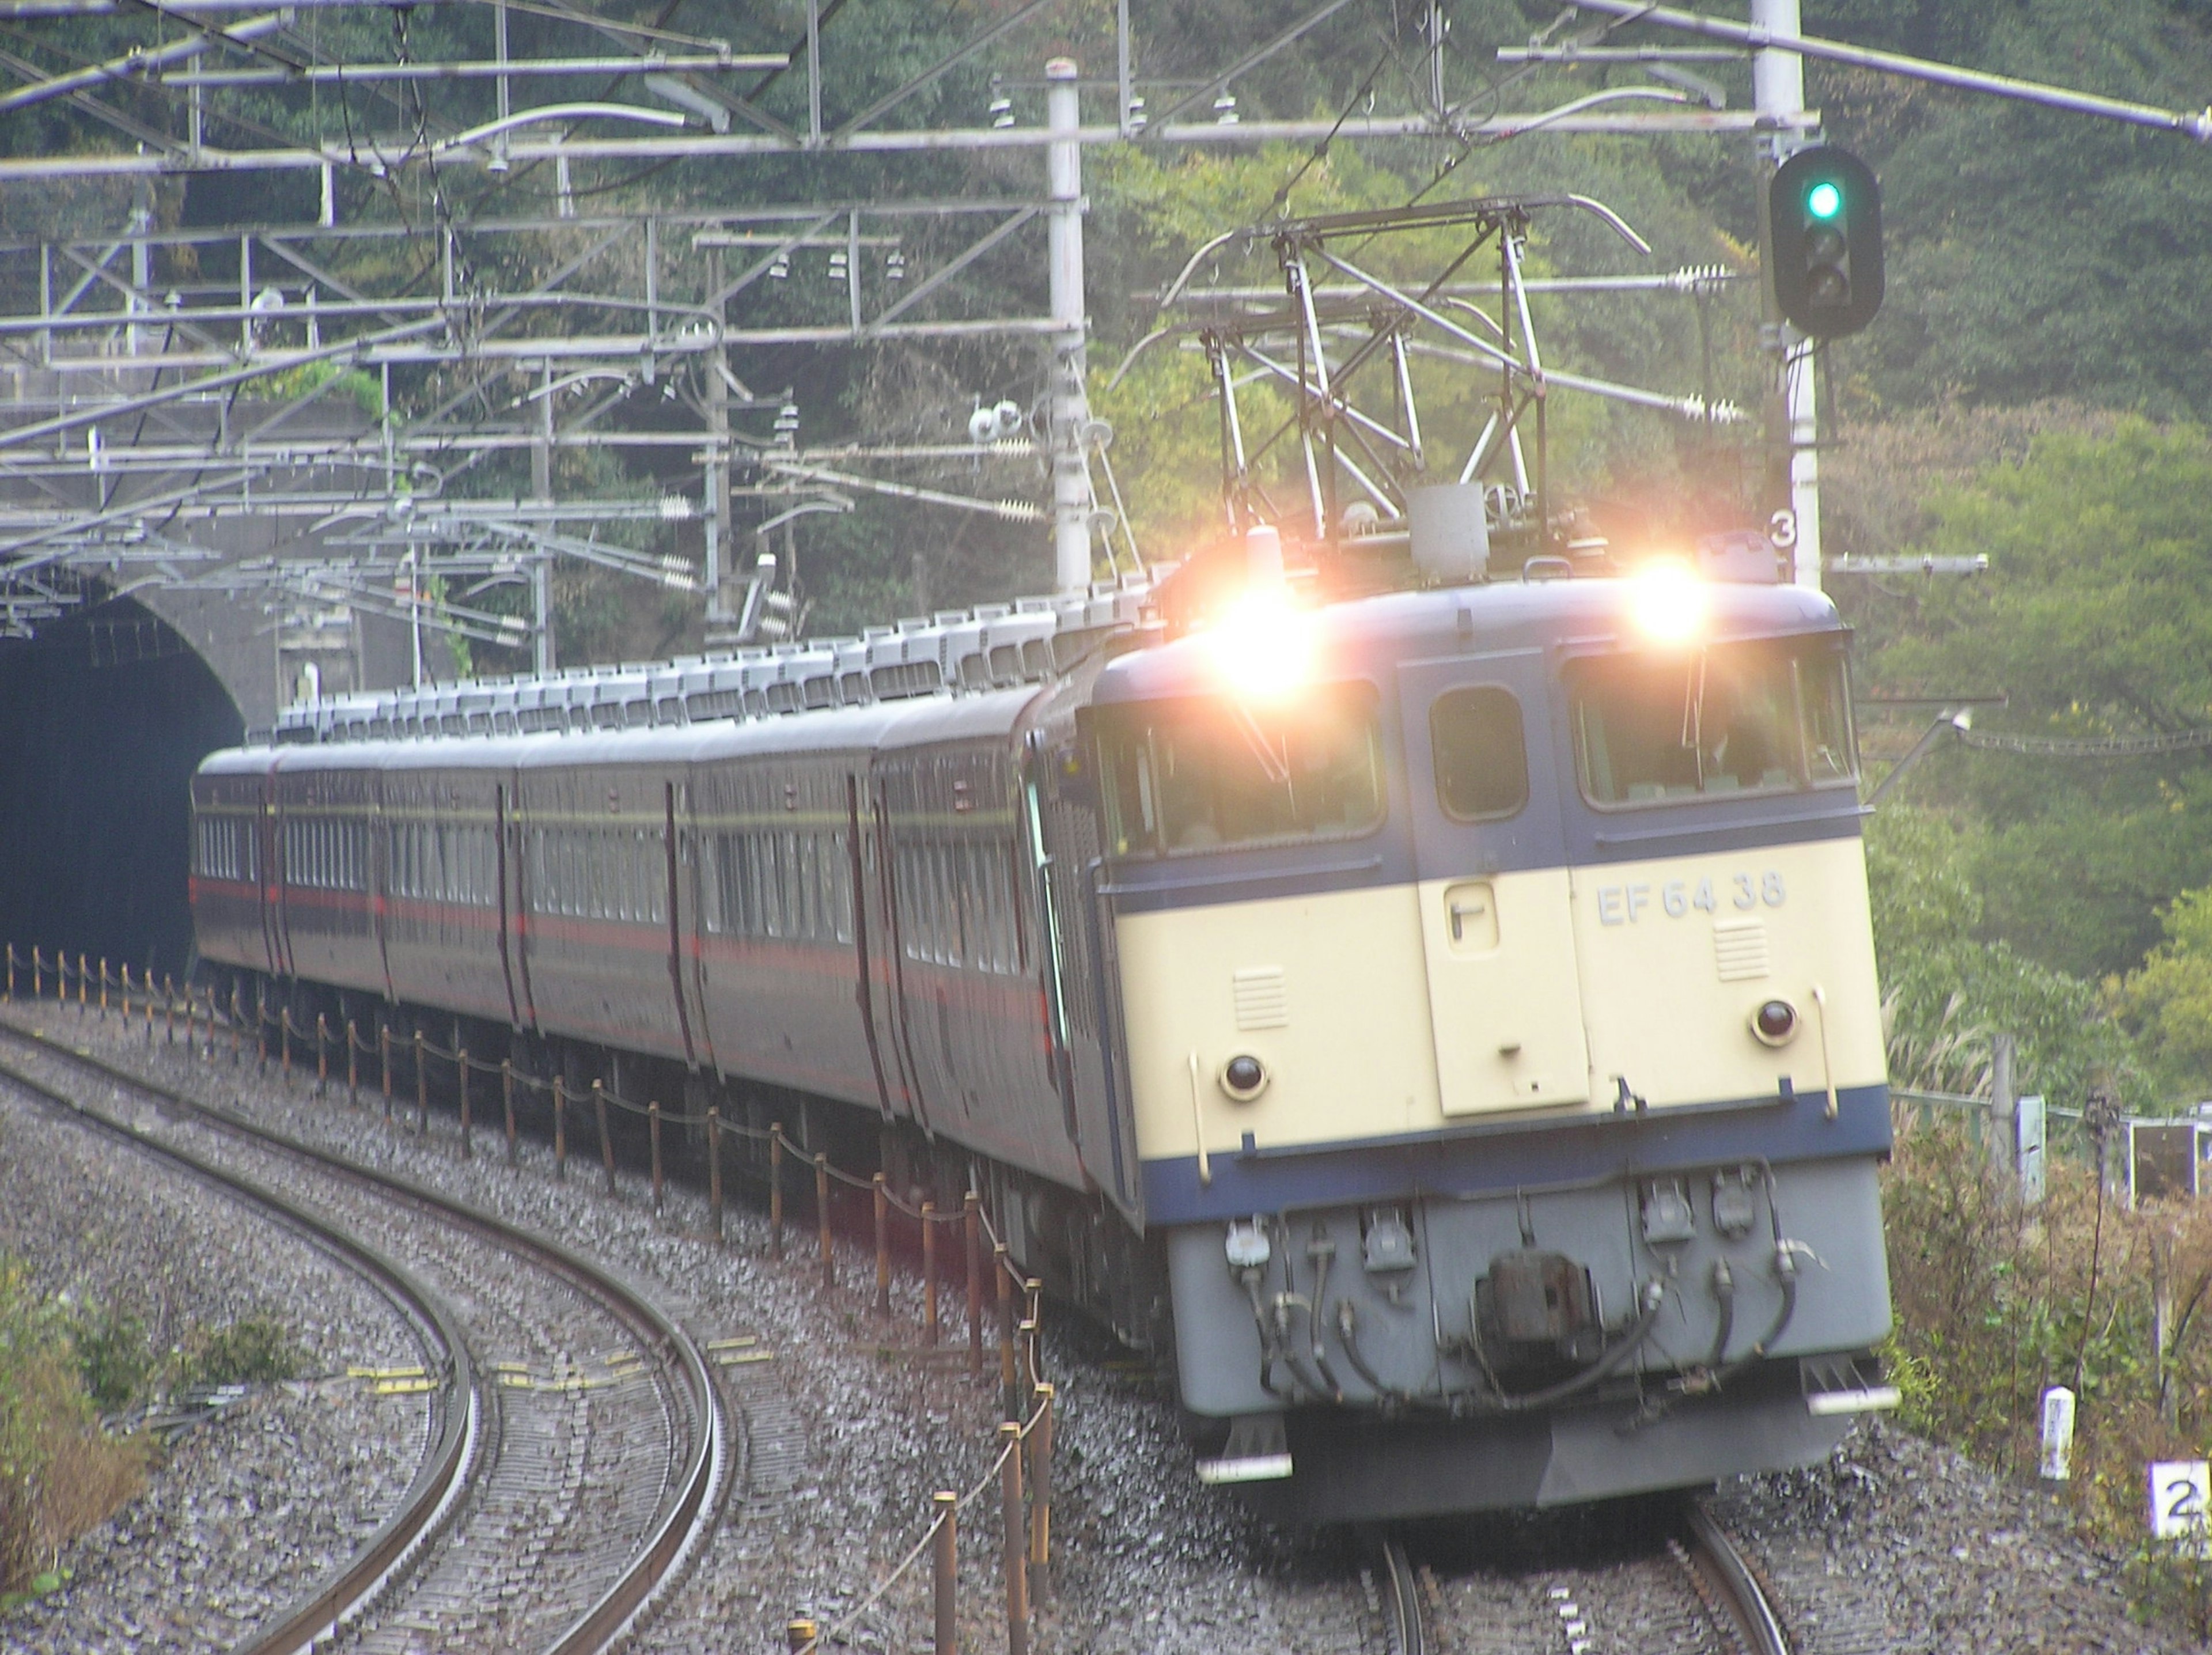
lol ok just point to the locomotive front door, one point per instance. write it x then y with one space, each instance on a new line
1497 932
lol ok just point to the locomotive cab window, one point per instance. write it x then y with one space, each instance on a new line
1482 762
1193 775
1728 720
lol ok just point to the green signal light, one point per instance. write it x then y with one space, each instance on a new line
1824 201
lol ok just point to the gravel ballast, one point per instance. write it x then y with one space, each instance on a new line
277 1491
848 1430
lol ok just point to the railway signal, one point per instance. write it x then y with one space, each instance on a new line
1824 240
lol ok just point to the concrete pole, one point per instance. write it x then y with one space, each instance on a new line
1778 86
1070 407
2004 1112
546 657
716 478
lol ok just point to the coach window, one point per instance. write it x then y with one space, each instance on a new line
1481 760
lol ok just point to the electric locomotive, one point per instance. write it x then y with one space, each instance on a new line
1440 1023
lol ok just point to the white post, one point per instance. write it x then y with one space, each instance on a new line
1070 409
1777 87
2057 1433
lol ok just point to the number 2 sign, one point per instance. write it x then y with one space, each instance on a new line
2180 1495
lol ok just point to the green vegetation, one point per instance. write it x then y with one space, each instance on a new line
59 1472
1995 1302
63 1366
253 1350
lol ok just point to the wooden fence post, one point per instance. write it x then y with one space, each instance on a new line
383 1054
929 1272
652 1129
883 1246
559 1126
714 1174
422 1089
1010 1404
775 1190
461 1077
606 1141
822 1217
1016 1550
972 1215
1040 1443
507 1102
946 1574
353 1064
322 1053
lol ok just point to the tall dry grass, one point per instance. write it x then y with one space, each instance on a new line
1996 1301
60 1474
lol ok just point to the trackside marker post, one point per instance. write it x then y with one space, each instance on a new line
2058 1434
2180 1492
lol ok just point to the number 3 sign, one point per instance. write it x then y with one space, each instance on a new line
2181 1494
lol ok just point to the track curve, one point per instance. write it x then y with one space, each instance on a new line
687 1495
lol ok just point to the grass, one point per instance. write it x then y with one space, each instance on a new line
62 1366
1995 1302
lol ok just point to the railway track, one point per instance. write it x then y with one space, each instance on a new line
581 1448
1697 1595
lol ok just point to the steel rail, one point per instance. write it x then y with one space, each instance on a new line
1409 1628
687 1517
444 1474
1713 1557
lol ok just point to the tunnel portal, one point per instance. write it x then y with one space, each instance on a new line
103 717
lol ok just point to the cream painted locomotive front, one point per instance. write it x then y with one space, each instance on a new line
1529 1012
1409 1009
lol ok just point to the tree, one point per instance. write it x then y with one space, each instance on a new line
1945 992
2096 618
2170 999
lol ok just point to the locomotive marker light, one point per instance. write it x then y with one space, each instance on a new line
1824 237
1244 1077
1667 602
1775 1023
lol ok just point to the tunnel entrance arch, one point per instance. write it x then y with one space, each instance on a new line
104 716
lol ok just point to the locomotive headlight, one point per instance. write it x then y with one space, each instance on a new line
1667 602
1264 645
1775 1023
1244 1077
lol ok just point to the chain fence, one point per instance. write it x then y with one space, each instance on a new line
1022 1467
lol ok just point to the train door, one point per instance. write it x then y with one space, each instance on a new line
380 896
275 918
896 1029
503 873
1496 931
1088 968
869 940
676 861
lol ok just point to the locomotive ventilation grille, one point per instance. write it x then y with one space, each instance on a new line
1261 1001
1740 950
